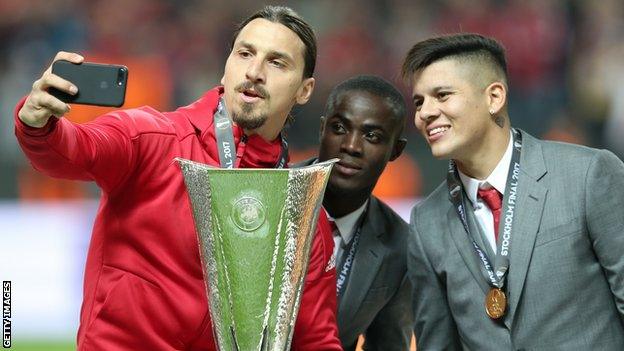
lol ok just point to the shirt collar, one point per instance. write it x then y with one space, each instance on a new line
199 111
346 224
496 179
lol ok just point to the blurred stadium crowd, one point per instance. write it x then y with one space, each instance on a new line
566 65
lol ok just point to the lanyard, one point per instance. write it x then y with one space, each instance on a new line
495 275
347 263
225 139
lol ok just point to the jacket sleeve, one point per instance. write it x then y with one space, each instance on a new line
316 328
392 327
434 326
604 204
100 151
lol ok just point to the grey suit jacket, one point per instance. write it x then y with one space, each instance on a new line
566 278
377 297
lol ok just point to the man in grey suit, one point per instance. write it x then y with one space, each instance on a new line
362 126
522 247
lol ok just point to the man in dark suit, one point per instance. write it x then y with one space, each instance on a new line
362 126
521 248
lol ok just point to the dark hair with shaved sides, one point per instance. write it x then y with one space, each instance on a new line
460 46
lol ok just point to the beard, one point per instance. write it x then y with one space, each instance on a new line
247 120
246 117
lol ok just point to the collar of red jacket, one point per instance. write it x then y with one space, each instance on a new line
258 153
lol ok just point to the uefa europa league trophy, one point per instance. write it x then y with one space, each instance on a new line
255 230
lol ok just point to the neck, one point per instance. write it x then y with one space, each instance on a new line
479 162
268 135
340 205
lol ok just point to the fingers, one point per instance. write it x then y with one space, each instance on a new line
49 105
40 104
67 56
50 80
39 107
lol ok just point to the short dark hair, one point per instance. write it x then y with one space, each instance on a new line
374 85
289 18
460 45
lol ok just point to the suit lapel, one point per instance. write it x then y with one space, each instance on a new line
479 236
465 248
368 259
529 208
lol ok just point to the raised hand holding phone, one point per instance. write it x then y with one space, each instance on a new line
71 80
41 105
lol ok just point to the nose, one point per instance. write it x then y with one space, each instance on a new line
428 110
255 71
352 144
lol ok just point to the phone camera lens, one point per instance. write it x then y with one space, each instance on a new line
121 76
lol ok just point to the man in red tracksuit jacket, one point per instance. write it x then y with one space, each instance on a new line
143 287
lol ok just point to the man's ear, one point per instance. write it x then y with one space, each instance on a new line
305 91
398 148
496 97
322 128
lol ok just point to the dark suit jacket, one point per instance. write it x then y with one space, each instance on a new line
377 299
565 283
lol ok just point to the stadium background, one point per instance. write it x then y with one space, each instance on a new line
565 65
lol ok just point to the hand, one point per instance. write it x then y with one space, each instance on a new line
41 105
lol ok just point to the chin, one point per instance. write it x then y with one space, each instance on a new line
438 154
249 121
441 152
338 186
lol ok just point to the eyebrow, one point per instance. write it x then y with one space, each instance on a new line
435 90
272 53
366 126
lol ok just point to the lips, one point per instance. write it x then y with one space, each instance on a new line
347 168
250 96
436 132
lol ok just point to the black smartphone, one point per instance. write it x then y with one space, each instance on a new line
98 84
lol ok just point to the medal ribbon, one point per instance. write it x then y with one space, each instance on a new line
347 263
494 275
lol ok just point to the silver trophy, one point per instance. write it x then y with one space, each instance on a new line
255 230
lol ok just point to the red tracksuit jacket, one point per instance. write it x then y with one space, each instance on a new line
143 286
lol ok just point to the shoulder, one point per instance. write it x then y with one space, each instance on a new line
385 213
385 219
433 206
182 122
567 152
570 160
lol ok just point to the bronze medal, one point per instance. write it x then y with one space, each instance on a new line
495 303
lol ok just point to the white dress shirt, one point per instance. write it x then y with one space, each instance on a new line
346 229
496 179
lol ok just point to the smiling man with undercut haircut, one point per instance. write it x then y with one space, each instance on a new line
520 248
